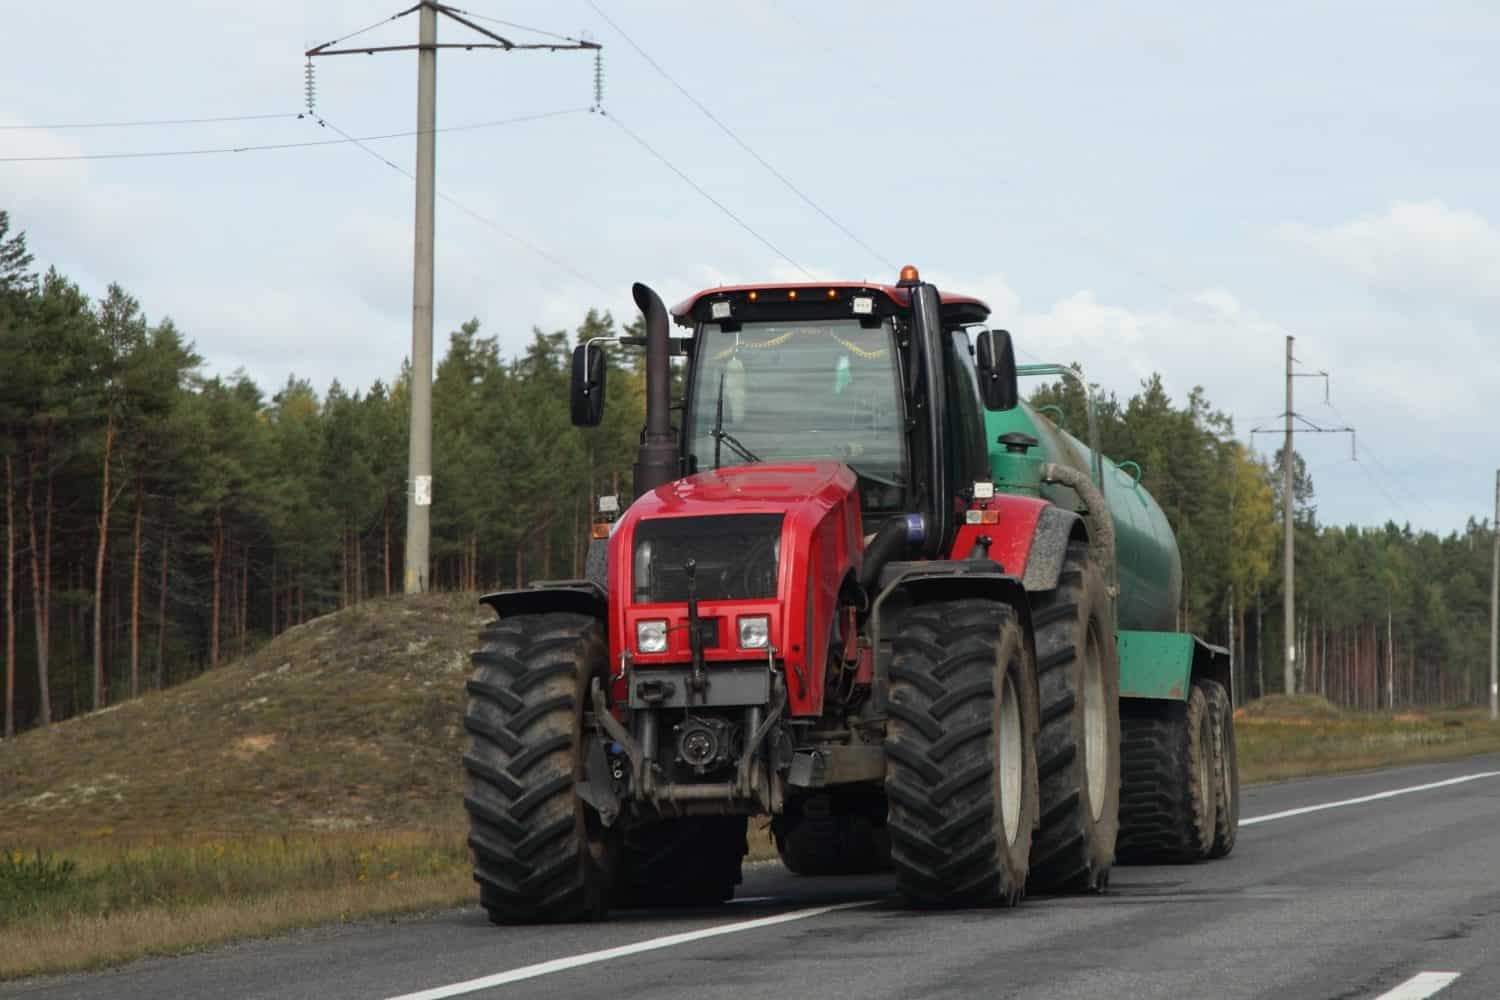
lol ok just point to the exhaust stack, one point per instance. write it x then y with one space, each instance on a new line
656 460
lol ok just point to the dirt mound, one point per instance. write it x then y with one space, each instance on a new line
352 720
1290 708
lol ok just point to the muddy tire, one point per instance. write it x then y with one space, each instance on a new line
840 832
693 861
1226 770
540 853
1168 798
1078 759
961 773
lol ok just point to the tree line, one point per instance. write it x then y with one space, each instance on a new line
159 519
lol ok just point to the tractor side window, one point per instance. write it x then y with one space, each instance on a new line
969 459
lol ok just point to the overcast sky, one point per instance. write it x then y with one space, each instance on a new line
1163 187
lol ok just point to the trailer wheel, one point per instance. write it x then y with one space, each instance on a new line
1168 799
961 774
839 832
1078 760
692 861
540 853
1226 770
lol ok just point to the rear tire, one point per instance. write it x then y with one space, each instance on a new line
961 772
1168 802
540 853
693 861
1226 769
1078 758
840 832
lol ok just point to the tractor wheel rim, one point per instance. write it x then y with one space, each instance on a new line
1011 763
1095 725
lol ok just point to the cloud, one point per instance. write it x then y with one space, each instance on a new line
1413 246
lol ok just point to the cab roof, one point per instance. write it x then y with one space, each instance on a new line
956 309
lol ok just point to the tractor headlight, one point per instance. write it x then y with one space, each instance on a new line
651 637
755 632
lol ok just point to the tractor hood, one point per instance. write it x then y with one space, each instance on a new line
758 488
775 541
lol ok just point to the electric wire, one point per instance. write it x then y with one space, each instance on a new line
369 27
471 213
741 142
716 202
519 27
58 127
147 154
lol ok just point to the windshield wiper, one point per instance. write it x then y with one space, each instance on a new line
722 437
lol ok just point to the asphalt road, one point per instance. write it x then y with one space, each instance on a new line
1353 901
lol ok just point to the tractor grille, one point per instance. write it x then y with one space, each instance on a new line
735 557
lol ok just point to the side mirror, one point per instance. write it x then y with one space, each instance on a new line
995 358
586 400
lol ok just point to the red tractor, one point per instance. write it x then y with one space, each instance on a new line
818 608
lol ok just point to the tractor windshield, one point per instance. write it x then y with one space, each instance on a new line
790 392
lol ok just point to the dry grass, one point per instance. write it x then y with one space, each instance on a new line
1282 738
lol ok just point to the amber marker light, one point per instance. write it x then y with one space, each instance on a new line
754 295
909 275
792 294
833 293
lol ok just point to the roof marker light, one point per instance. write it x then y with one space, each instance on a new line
792 294
863 305
753 296
909 275
833 293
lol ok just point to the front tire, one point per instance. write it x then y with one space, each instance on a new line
540 853
961 758
1078 760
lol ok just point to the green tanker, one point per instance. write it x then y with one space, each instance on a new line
1174 687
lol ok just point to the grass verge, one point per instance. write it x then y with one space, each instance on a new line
99 904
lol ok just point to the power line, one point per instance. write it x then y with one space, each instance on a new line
287 145
741 142
151 121
369 27
475 215
518 27
699 188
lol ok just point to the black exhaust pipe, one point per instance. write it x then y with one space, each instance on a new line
656 461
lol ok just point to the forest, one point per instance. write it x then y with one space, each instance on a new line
159 520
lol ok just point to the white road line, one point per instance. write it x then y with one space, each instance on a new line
1251 821
1423 984
623 951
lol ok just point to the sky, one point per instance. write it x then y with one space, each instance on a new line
1153 187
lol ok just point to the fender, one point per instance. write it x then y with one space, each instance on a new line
547 596
1030 539
1163 665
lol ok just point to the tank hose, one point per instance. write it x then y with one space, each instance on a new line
1101 526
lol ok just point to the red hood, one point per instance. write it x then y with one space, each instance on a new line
749 489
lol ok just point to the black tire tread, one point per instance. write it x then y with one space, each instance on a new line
942 820
1164 817
523 717
1227 767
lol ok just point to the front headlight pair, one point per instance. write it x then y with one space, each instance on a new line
754 633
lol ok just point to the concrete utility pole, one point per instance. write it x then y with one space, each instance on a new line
1289 580
419 456
1288 486
1495 604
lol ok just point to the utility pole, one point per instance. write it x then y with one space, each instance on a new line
1495 603
1288 484
1289 579
419 455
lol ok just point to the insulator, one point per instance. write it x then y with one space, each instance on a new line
598 78
311 84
